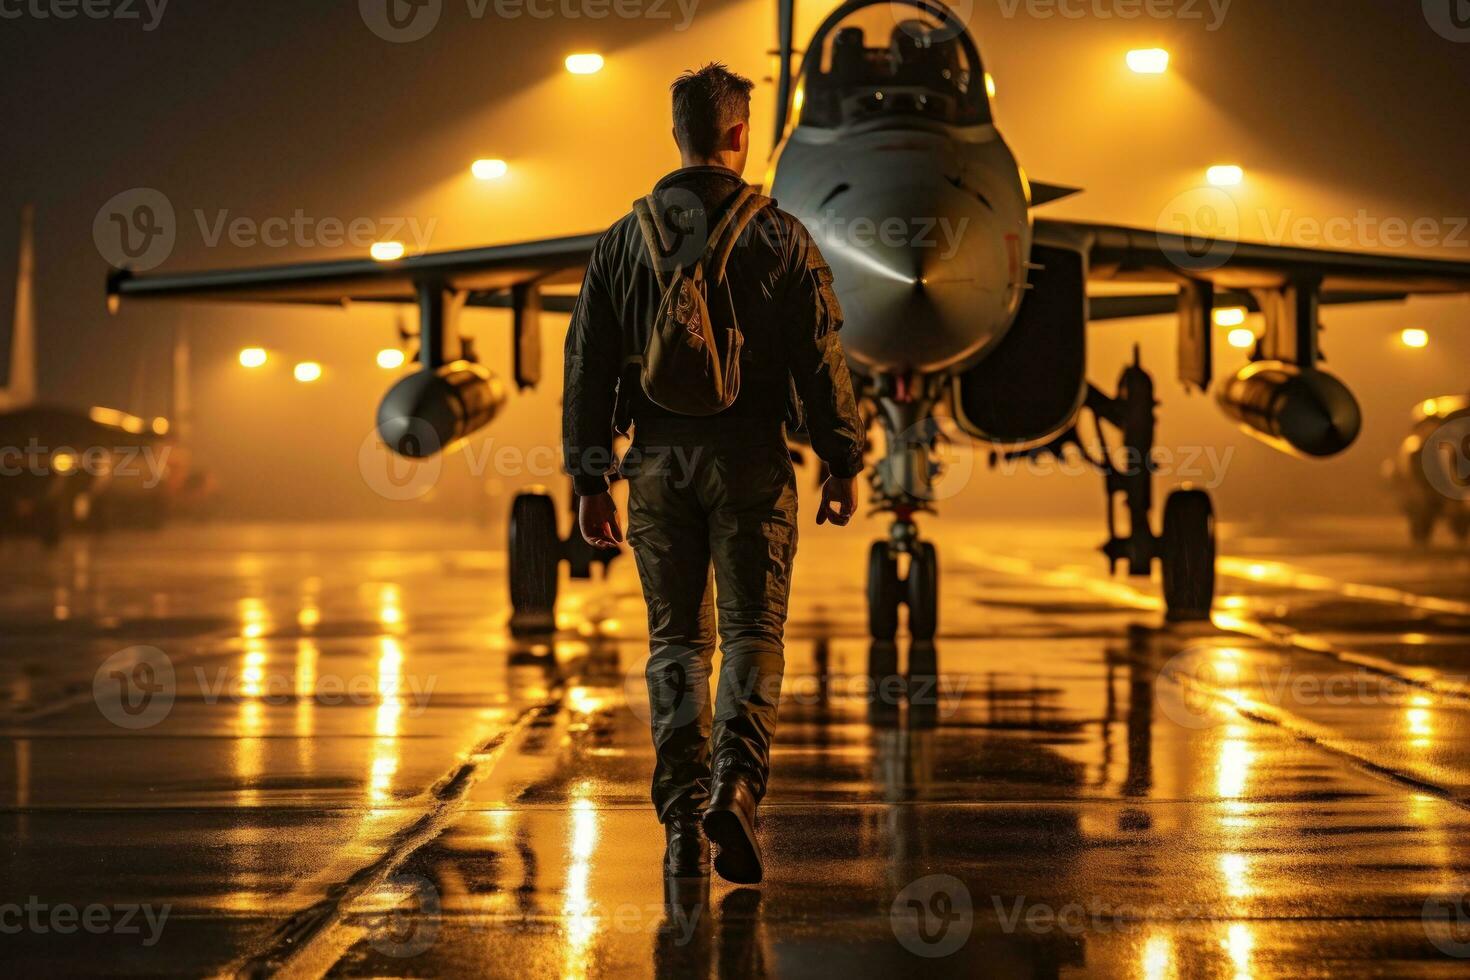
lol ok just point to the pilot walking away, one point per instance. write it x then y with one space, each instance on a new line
706 323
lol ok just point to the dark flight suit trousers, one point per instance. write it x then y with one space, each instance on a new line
721 496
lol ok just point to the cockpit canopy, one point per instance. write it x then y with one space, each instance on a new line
890 59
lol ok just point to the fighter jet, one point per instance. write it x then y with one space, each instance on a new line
887 119
56 463
1430 474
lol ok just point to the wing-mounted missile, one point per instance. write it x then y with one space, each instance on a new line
434 409
1301 411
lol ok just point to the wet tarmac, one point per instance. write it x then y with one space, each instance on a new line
319 752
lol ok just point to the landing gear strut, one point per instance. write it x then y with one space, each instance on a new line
1186 548
536 551
903 486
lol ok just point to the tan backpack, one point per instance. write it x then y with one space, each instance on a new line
691 362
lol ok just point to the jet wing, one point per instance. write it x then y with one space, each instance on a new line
485 276
1136 255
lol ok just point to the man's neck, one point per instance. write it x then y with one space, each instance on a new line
721 161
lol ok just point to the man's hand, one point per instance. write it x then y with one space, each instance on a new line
839 501
598 519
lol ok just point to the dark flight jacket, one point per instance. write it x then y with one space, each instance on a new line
781 288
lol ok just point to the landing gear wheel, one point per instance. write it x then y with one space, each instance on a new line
1188 556
535 558
883 592
922 588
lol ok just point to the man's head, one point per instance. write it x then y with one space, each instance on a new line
712 117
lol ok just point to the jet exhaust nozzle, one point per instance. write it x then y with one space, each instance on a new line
1301 411
429 411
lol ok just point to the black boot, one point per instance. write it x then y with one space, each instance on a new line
730 822
687 852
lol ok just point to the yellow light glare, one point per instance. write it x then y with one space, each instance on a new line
308 371
584 64
387 251
990 85
1243 337
1225 175
1148 61
489 169
63 463
1414 337
160 426
390 358
1230 316
253 357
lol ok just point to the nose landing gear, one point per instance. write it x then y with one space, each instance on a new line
918 588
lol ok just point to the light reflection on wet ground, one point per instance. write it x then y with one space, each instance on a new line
359 772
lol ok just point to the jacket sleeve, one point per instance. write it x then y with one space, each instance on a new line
593 362
818 362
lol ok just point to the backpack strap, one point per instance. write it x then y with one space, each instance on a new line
646 208
742 210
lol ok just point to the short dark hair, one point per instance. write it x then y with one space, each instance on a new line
706 103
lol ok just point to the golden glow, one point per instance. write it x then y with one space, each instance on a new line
390 607
1242 337
1225 175
1230 316
308 371
63 463
580 923
1414 337
1233 769
160 426
584 64
990 85
1148 61
253 357
390 358
1158 957
387 251
116 419
489 169
1431 407
1239 942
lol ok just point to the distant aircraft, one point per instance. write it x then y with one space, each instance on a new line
1430 474
55 462
991 331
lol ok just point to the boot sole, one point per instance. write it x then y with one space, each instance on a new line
739 858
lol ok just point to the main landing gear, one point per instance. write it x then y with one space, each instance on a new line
536 551
1186 548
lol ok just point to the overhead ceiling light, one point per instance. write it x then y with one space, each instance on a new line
584 64
387 251
1230 316
1242 337
489 169
1148 61
1414 337
253 357
308 371
390 358
1225 175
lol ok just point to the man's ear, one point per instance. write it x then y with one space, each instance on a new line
737 136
